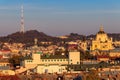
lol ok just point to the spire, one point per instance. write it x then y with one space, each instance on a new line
101 28
101 31
22 20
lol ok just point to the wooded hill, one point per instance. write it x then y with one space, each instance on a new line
29 36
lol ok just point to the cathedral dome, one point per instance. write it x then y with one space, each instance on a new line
102 41
101 35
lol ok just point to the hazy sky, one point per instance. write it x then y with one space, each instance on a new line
60 17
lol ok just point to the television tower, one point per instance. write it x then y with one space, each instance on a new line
22 21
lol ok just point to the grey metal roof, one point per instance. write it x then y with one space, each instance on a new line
4 67
115 50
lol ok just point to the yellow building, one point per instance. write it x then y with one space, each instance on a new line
115 53
102 41
74 57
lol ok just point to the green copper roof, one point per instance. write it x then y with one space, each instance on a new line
54 57
39 52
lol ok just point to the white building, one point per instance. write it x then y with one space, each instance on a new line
51 63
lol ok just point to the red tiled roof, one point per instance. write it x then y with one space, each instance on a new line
1 56
5 50
105 56
8 77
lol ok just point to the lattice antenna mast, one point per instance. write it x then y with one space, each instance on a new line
22 20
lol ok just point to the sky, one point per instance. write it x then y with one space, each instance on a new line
60 17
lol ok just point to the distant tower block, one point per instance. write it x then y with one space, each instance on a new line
22 20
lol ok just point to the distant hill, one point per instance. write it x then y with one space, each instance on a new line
75 36
115 36
29 36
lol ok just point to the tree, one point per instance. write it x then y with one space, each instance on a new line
92 75
86 55
15 60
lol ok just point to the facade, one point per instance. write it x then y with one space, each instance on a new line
4 65
72 46
63 37
73 59
51 63
5 68
102 46
102 41
83 45
5 54
115 53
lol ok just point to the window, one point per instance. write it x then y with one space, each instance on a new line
95 46
99 39
29 60
77 62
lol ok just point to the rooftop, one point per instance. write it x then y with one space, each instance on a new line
54 57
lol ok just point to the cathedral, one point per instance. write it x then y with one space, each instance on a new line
102 41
